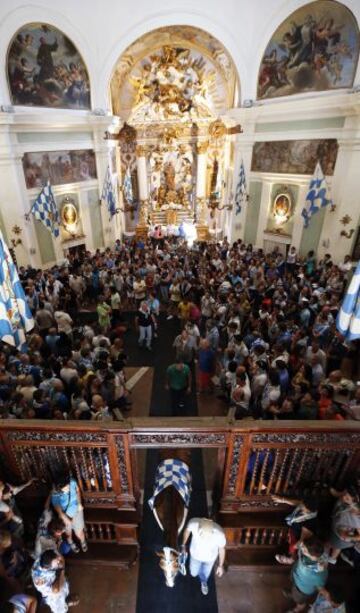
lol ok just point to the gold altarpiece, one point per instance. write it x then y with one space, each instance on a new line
175 152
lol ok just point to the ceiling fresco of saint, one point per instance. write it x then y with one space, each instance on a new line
316 48
45 69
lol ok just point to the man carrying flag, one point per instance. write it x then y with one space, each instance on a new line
240 194
348 320
45 210
108 194
15 314
316 197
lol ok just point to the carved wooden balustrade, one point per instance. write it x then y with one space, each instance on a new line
255 460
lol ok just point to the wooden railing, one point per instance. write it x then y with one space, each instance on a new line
255 460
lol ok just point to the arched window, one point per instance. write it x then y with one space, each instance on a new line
45 69
315 49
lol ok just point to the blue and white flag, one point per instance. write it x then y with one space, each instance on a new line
317 196
240 194
108 193
45 210
172 472
348 319
15 314
128 188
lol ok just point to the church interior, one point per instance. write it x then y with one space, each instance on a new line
180 306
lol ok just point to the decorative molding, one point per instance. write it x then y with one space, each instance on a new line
187 439
307 437
99 500
123 470
235 463
258 504
63 437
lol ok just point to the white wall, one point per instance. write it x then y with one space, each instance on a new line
102 29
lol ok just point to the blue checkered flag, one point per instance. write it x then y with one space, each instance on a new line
240 194
127 187
108 194
316 197
45 210
15 314
172 472
348 320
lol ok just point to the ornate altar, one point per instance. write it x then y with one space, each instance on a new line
172 94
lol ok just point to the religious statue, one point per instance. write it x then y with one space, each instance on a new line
172 83
169 172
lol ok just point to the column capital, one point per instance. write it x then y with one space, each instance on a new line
141 150
353 144
202 147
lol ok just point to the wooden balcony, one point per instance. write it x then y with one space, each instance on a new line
255 460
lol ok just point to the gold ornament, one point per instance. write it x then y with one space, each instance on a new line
141 151
202 147
345 220
217 129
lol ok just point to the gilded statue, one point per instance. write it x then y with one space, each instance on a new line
161 195
173 82
169 173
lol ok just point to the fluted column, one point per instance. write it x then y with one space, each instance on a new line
143 187
15 203
101 149
243 154
345 188
201 211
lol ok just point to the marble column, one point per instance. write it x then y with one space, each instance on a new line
101 149
15 203
345 189
201 208
242 154
143 187
298 222
263 213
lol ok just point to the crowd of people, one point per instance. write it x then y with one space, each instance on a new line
33 565
260 329
255 331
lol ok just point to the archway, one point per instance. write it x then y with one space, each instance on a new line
172 86
316 48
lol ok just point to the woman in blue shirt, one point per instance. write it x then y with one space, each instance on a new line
66 500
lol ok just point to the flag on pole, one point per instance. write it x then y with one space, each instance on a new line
127 187
108 193
240 194
45 210
317 196
15 314
348 320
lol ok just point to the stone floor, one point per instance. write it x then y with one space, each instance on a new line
107 590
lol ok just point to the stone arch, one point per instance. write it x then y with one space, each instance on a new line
45 68
315 48
206 52
168 19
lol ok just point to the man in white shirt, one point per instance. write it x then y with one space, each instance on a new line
207 544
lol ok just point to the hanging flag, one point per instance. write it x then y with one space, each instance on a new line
316 197
240 194
127 187
45 210
108 193
15 314
348 320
